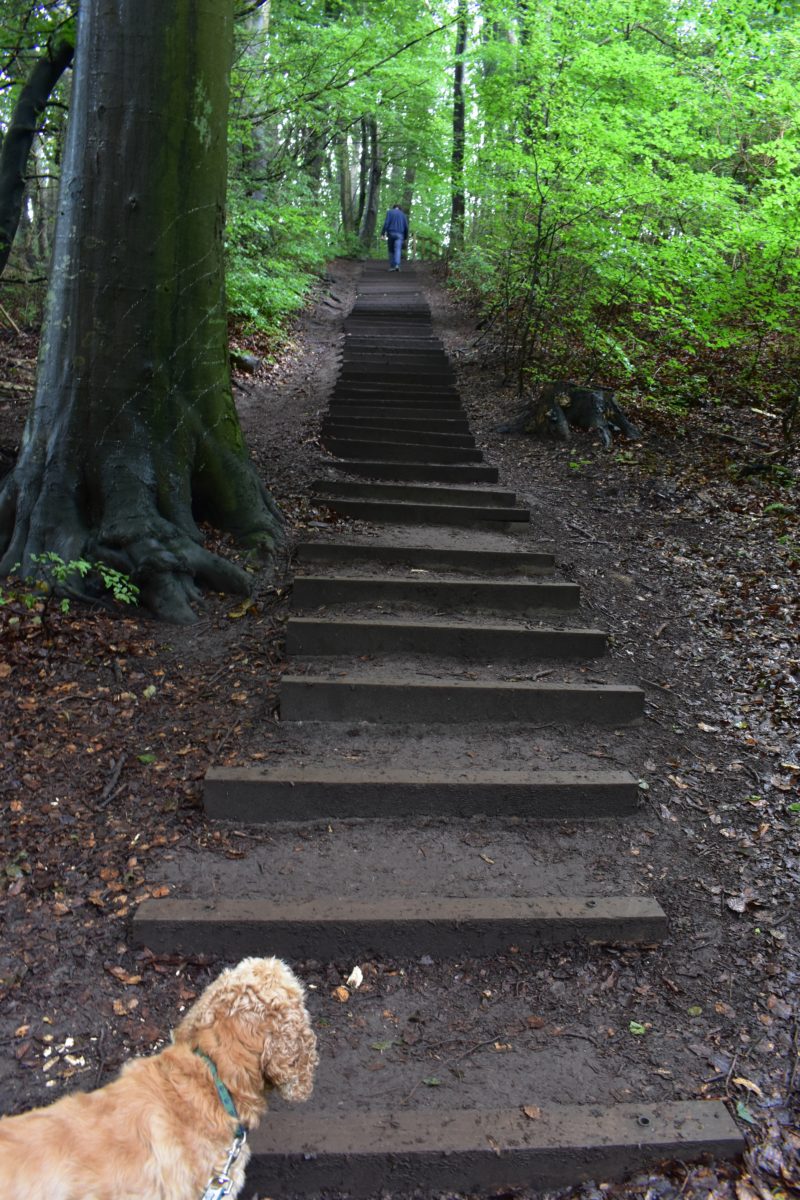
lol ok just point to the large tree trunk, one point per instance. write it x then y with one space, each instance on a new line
133 436
458 207
18 140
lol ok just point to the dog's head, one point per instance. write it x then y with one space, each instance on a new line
252 1022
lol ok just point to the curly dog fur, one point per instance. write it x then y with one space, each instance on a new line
159 1131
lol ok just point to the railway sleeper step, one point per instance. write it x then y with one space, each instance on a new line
334 928
405 513
376 468
387 410
265 794
444 558
331 428
399 375
517 596
424 388
402 451
373 353
313 636
389 700
366 1153
382 399
349 490
385 326
370 419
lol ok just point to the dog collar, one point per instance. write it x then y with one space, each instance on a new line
226 1099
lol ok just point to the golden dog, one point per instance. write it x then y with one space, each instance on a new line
165 1129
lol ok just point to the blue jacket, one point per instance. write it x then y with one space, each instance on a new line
396 224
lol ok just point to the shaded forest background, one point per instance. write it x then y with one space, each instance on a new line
614 185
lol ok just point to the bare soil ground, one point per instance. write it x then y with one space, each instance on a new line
687 547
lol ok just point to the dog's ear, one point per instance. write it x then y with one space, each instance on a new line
290 1055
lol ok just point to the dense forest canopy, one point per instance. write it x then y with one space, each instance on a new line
615 184
630 170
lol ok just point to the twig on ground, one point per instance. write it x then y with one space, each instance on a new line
589 536
110 790
221 746
10 320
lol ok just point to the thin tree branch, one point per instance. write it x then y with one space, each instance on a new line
337 87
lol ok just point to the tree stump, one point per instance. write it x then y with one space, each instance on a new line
562 404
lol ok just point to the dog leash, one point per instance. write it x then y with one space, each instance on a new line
220 1184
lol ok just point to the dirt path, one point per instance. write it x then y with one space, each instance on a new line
715 841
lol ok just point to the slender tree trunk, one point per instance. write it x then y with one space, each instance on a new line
314 154
21 132
133 436
363 172
409 179
366 234
345 176
459 130
257 164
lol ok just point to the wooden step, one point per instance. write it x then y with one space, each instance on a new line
267 793
401 451
351 929
464 595
366 418
445 558
402 1152
399 513
332 428
313 636
378 468
351 490
396 700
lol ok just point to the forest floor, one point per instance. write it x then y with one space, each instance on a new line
687 547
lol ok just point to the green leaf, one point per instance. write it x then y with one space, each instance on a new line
147 758
432 1081
744 1112
637 1028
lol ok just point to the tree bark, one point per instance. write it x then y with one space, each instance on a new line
369 221
458 208
363 172
17 143
133 436
345 176
409 179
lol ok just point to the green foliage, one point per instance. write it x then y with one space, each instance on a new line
275 251
53 577
636 189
